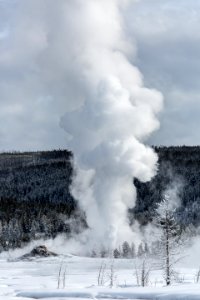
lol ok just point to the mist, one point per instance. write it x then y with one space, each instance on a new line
108 130
72 59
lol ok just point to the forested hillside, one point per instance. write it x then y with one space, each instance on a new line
35 198
179 169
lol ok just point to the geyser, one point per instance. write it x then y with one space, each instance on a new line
73 56
108 129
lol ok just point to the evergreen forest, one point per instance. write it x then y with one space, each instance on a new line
35 199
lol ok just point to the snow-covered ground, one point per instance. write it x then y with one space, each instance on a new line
38 279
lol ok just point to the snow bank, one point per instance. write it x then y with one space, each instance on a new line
169 293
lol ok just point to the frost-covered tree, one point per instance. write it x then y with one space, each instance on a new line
126 250
146 249
140 251
170 237
116 253
133 254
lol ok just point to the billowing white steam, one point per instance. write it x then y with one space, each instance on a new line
106 132
73 55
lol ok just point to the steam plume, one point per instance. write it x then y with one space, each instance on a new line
73 55
116 115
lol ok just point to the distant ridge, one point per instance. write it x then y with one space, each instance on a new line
35 198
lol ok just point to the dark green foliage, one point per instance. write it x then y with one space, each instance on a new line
40 176
175 164
116 253
35 198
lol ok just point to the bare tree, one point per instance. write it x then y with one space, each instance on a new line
59 275
64 276
101 274
170 238
142 272
111 274
197 276
106 274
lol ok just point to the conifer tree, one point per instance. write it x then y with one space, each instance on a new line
126 250
170 238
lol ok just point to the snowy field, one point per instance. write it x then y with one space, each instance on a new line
38 279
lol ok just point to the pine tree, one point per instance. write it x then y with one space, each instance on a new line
146 249
133 254
170 237
140 251
116 253
94 253
126 250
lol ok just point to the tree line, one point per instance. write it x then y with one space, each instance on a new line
35 198
178 166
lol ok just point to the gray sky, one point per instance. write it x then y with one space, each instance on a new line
167 36
168 41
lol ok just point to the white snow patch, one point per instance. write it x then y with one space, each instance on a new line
38 279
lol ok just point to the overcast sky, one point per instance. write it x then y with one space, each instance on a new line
168 41
167 36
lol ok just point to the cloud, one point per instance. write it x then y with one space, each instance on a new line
168 55
35 50
36 87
